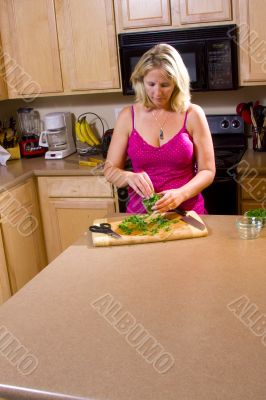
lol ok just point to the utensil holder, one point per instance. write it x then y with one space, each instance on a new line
259 138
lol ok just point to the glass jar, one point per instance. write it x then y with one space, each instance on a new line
248 227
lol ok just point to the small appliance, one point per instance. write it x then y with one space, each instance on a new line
29 125
57 135
209 53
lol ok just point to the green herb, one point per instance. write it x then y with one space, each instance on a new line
142 224
134 222
149 203
257 212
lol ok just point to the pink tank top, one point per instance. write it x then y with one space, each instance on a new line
169 167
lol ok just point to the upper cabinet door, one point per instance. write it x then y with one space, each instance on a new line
3 88
87 42
30 45
195 11
252 39
139 13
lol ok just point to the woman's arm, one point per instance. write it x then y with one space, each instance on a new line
197 126
116 157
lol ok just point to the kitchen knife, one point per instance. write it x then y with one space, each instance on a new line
189 219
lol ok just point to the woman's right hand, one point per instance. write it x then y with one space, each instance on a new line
140 182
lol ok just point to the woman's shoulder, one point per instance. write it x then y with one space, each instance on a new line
125 115
195 113
196 117
195 109
132 110
124 120
125 112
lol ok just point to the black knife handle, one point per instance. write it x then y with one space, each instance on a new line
180 211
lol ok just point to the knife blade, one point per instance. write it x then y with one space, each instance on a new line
189 219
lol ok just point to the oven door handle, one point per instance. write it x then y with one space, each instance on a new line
223 179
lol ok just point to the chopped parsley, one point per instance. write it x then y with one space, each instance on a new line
257 212
143 225
149 203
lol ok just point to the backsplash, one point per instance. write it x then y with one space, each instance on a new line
106 105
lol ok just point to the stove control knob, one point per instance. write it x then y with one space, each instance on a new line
225 124
235 123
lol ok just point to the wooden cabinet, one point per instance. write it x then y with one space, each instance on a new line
29 39
137 13
5 291
252 38
3 88
58 46
166 14
21 234
252 193
69 205
87 39
251 178
196 12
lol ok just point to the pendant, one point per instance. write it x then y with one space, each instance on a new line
161 134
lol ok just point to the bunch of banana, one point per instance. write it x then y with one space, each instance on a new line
91 162
85 134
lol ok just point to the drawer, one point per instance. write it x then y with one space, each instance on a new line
15 199
78 186
253 188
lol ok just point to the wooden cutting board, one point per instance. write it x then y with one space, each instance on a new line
178 230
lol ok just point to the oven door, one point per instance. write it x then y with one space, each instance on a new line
193 55
221 196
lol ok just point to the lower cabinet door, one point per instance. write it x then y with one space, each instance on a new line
66 219
23 253
5 291
249 205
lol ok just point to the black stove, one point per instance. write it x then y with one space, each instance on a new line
229 146
225 159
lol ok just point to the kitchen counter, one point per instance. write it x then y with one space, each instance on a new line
17 171
176 293
254 162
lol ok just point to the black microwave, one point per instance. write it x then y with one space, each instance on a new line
209 53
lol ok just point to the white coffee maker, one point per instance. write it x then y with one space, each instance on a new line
57 135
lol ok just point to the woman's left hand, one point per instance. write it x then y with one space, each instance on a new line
170 199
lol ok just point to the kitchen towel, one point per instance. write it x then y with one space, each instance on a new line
4 156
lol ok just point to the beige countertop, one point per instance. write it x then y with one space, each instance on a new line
253 163
175 293
17 171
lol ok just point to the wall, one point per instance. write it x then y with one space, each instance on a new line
104 105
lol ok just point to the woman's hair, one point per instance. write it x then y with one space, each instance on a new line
165 57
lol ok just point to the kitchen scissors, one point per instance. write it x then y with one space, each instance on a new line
104 228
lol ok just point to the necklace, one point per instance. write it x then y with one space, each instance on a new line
161 134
